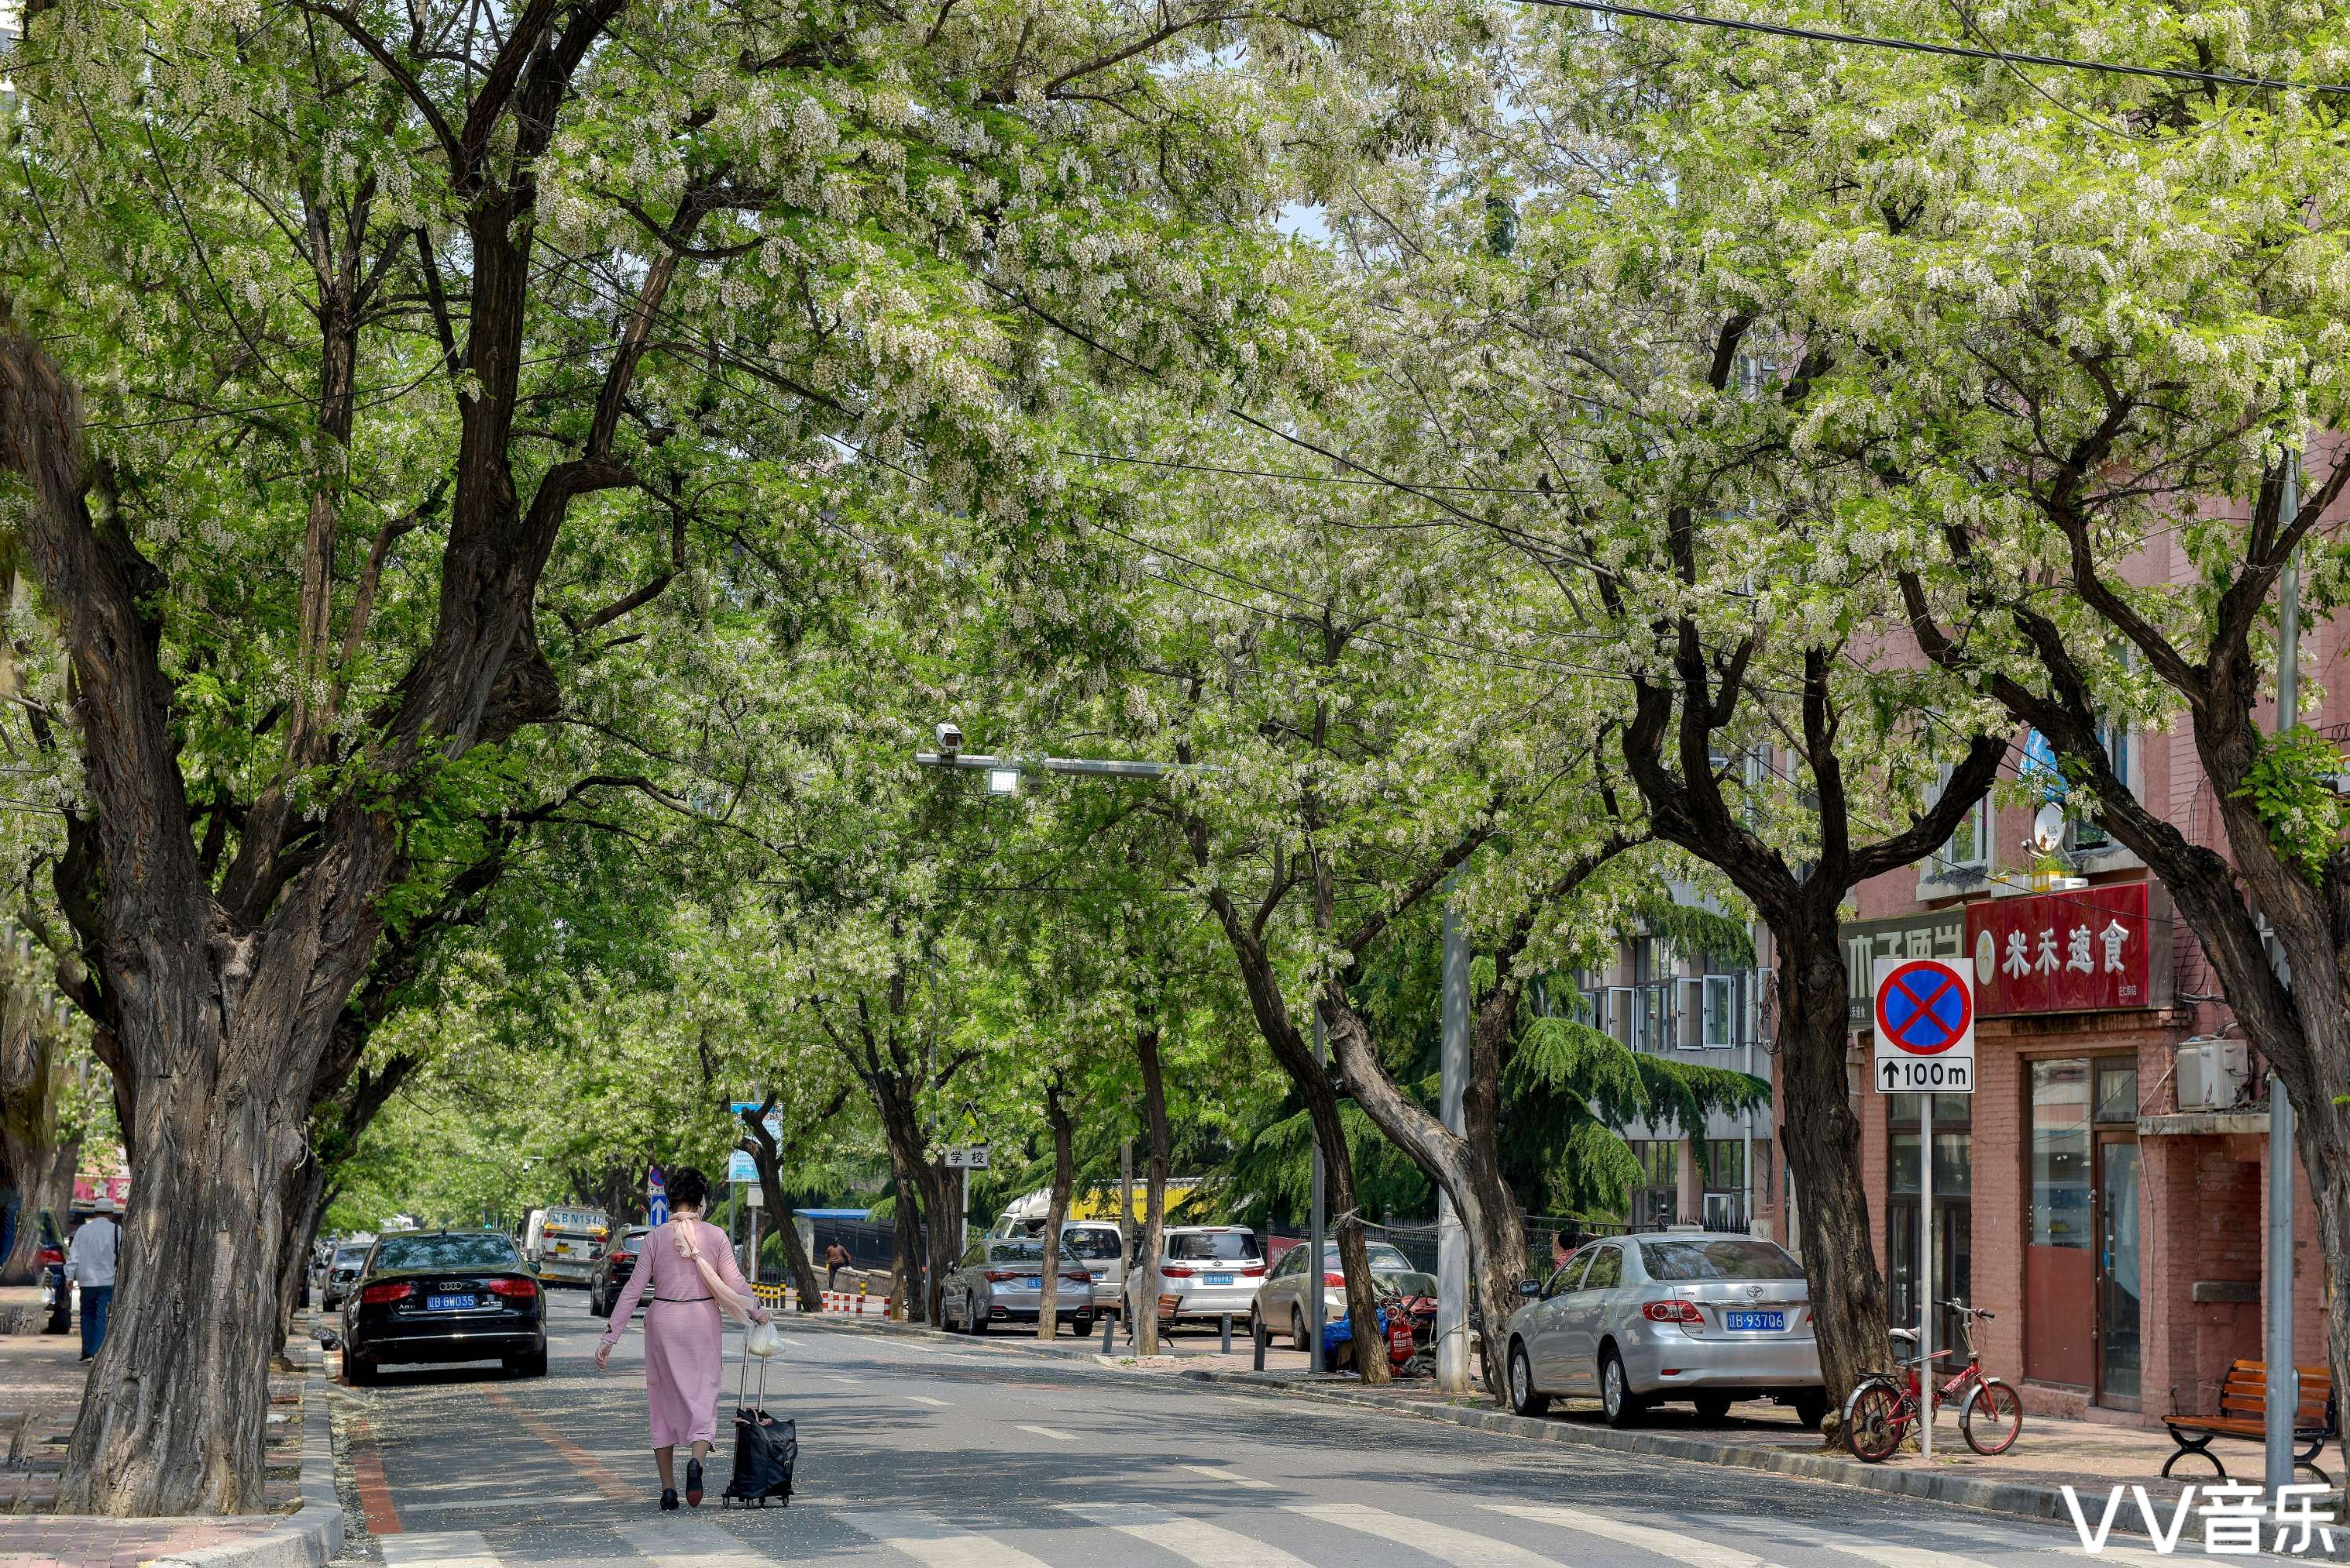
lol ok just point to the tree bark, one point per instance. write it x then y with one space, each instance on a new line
1153 1241
1056 1208
768 1157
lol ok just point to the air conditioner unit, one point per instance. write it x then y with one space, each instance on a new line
2211 1073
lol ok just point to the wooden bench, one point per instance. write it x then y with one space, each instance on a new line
2244 1413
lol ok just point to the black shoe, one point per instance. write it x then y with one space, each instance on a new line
693 1483
668 1499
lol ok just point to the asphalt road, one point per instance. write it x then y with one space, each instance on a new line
958 1456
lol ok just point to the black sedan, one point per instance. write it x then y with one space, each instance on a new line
445 1296
610 1276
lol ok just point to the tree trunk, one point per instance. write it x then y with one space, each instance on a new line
1821 1137
768 1155
1056 1208
945 1235
306 1193
1149 1282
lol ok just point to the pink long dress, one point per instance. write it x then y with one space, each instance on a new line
685 1352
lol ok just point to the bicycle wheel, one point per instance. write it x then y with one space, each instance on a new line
1992 1417
1874 1420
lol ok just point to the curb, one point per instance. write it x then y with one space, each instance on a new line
312 1535
1968 1491
859 1323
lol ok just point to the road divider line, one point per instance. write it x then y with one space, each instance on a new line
366 1474
926 1399
1230 1478
1193 1540
591 1468
1461 1548
1871 1549
929 1540
451 1504
1055 1433
437 1549
690 1544
1669 1544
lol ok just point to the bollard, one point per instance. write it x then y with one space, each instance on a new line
1261 1336
1227 1321
1109 1328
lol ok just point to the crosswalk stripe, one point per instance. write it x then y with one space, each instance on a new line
530 1501
1461 1548
1230 1478
1868 1548
1686 1549
926 1399
1193 1540
688 1544
928 1538
1055 1433
437 1549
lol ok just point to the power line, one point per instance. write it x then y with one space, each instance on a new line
1958 51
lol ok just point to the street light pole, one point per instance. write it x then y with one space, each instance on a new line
1452 1240
1315 1286
2283 1392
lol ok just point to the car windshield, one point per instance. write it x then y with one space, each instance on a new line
350 1256
1090 1243
636 1233
1723 1258
406 1253
1214 1246
1384 1260
1016 1252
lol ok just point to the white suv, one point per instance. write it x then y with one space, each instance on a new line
1208 1271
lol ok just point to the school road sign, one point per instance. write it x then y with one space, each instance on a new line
1925 1020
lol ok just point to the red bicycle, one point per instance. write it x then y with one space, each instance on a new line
1884 1407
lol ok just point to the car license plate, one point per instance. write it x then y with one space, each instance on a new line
1034 1284
450 1304
1754 1322
1219 1279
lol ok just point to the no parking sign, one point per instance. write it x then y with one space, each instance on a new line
1925 1027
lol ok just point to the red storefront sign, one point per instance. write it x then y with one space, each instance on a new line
2087 950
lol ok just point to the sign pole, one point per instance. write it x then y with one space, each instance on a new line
1926 1277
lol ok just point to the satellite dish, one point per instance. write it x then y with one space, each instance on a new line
2048 828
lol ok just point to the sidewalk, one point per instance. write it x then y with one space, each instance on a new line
41 1379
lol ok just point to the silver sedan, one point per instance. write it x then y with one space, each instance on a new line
1705 1317
1002 1280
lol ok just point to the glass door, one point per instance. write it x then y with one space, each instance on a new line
2118 1342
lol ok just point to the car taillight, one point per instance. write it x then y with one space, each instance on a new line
1176 1272
521 1290
1339 1280
1079 1275
997 1276
1252 1270
380 1295
1674 1312
51 1257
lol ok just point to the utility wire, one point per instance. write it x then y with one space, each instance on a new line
1958 51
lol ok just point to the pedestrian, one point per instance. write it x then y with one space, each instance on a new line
836 1258
91 1262
693 1274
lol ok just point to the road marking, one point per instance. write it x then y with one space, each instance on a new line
1055 1433
926 1399
929 1540
437 1549
1461 1548
1872 1549
690 1544
1193 1540
1230 1478
591 1468
367 1475
1667 1543
577 1497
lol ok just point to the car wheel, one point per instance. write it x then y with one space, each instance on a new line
1623 1407
1297 1340
357 1373
1082 1325
531 1365
1810 1409
1524 1397
1713 1408
974 1314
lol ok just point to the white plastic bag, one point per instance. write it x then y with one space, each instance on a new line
764 1340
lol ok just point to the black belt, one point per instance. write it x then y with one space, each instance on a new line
680 1301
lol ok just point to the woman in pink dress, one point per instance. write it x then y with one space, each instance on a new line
692 1273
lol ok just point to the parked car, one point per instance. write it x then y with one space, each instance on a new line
1706 1317
1206 1271
610 1276
343 1270
441 1296
1280 1302
51 1263
1002 1280
1096 1246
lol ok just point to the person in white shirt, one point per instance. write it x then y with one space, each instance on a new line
91 1264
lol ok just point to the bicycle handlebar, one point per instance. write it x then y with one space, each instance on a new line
1970 1311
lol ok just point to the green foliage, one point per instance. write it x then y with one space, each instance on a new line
2290 784
1692 929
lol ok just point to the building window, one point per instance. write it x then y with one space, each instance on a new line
2081 833
1722 1167
1969 846
1720 1009
1656 1199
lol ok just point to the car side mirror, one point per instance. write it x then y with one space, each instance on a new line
1530 1288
